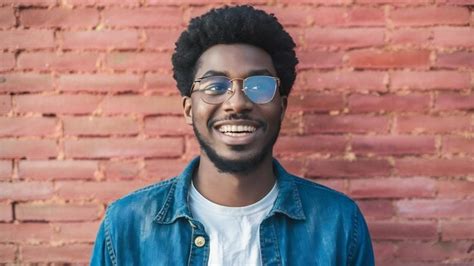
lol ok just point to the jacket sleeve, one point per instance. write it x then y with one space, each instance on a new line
361 252
100 253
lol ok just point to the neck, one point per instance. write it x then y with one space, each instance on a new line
234 189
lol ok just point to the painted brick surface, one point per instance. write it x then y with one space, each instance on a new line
382 110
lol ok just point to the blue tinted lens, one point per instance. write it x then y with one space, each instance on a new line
260 89
215 85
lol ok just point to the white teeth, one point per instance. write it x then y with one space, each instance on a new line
236 129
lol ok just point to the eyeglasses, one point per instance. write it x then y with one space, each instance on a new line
218 89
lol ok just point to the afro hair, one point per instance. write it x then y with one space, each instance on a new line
234 24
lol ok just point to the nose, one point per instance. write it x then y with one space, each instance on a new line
238 101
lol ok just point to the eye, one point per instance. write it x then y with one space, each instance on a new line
215 88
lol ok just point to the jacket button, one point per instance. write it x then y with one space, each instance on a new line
199 241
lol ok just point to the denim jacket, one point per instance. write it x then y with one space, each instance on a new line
309 224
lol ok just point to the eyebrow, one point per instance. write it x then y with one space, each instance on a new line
211 73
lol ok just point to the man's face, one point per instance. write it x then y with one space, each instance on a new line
235 151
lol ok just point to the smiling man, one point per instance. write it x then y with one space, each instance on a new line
234 204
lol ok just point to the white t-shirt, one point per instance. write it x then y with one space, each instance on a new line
233 231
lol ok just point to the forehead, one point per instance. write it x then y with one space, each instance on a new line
236 60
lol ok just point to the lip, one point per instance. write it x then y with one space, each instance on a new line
238 140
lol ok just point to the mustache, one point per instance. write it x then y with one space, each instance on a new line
236 116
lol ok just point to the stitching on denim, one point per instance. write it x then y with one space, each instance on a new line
276 247
355 235
166 205
191 247
108 239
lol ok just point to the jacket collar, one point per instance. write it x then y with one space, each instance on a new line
175 206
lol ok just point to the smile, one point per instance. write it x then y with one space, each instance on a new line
236 130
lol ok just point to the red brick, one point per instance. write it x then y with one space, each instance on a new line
143 17
348 169
293 165
323 2
394 2
336 184
456 2
57 212
459 59
5 104
419 187
58 62
376 209
59 104
366 16
139 61
142 104
427 16
455 188
455 144
54 169
100 126
161 39
439 251
60 17
344 38
376 59
387 230
455 230
430 80
319 59
346 123
292 124
434 167
121 170
99 82
365 81
432 124
164 168
6 212
393 145
102 191
161 82
21 39
314 102
32 2
7 17
7 61
455 101
417 36
71 253
435 208
167 125
25 232
27 126
454 36
26 82
29 148
123 147
291 15
77 232
384 252
311 144
25 191
7 253
103 3
102 40
6 170
414 102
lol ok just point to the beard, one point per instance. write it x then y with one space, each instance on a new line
242 165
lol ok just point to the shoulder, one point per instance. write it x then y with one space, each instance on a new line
317 197
146 201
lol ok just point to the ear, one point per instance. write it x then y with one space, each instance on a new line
284 105
187 109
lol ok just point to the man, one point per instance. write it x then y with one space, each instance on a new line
235 204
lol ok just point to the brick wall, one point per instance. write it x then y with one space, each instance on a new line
382 110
